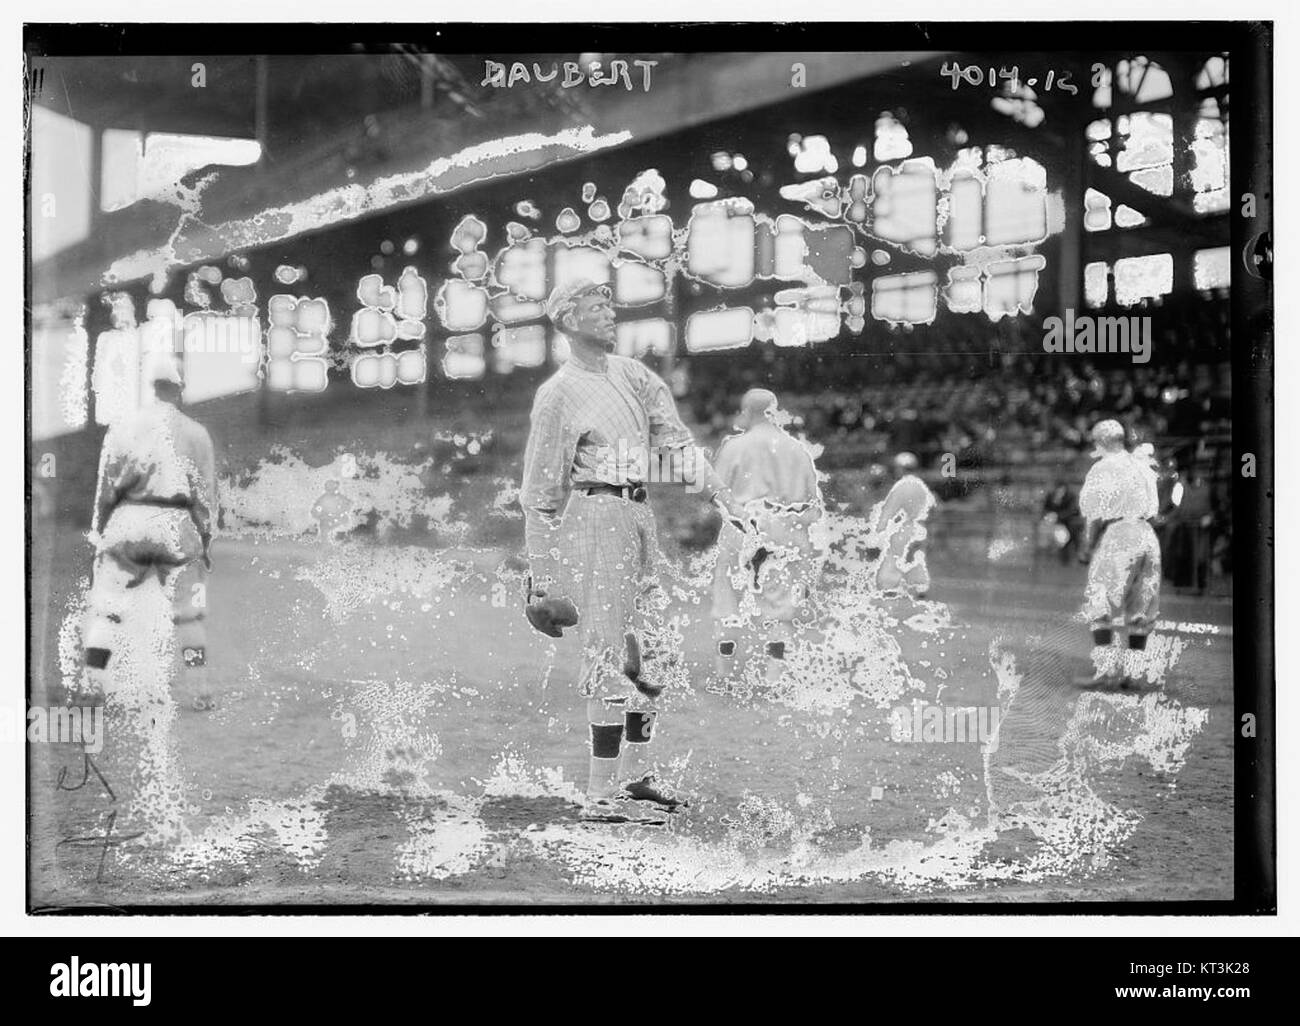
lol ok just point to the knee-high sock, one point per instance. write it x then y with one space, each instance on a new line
638 733
1135 656
606 739
724 658
1105 656
99 639
778 638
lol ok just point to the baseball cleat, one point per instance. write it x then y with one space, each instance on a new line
648 791
606 810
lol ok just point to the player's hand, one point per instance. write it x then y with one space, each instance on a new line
739 523
536 590
734 514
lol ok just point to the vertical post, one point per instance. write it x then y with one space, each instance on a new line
1183 69
260 102
260 132
426 81
1253 668
96 183
1074 174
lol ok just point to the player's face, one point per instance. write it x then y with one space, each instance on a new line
593 318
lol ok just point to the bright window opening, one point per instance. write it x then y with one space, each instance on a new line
1146 277
137 167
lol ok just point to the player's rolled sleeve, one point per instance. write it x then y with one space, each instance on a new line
548 462
811 486
725 465
666 427
667 432
1091 498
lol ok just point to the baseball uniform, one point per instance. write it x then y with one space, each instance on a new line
1124 572
773 477
898 530
589 532
154 509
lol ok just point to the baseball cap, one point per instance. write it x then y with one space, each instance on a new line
757 401
563 297
162 366
1105 435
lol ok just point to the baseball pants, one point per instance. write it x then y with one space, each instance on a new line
140 542
609 553
1124 578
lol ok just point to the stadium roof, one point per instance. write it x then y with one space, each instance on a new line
332 125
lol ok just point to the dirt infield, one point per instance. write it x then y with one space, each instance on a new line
389 731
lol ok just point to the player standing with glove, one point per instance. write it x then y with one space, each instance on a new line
590 538
155 507
1119 499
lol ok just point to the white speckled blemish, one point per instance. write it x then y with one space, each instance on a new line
509 154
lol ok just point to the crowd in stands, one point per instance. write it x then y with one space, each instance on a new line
1019 417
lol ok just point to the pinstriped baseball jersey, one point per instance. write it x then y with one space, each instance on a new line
588 419
1124 573
156 455
592 425
1120 486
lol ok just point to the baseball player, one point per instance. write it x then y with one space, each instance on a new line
898 529
333 513
764 573
1118 500
154 509
591 543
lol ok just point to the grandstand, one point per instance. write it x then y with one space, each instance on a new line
938 381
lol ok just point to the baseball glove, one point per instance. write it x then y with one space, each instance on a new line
550 615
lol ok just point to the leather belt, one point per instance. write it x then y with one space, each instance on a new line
635 493
176 502
1106 524
778 507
